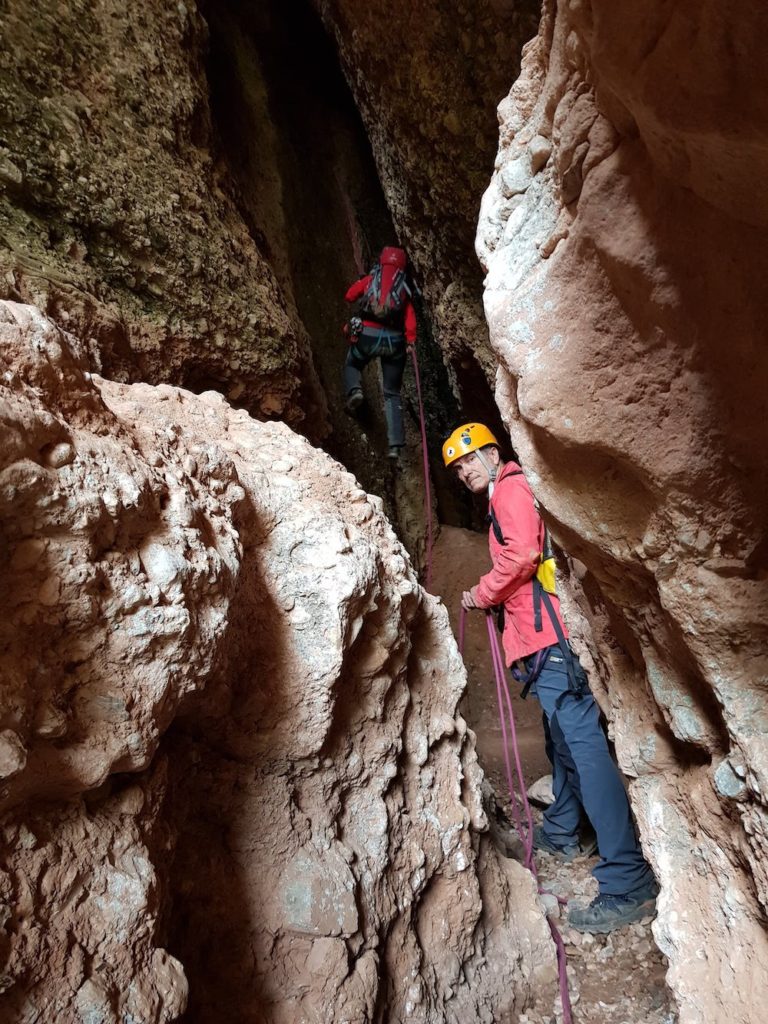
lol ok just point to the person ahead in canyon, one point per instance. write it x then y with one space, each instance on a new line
521 583
385 324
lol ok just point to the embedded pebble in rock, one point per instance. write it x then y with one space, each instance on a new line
13 755
540 792
308 839
60 455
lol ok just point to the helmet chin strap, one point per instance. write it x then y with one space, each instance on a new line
490 469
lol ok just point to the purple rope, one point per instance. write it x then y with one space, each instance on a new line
503 697
507 763
501 683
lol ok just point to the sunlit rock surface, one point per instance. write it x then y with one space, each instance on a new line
305 841
624 235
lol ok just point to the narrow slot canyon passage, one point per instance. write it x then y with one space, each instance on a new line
280 105
245 773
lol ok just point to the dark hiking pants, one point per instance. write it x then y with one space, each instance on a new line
585 775
389 347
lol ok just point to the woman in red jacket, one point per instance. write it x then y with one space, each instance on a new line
388 325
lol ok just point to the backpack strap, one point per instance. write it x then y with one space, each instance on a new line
577 680
374 288
493 522
393 299
491 517
538 590
400 287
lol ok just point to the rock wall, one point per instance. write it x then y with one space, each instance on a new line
426 78
624 236
117 219
282 107
230 754
192 189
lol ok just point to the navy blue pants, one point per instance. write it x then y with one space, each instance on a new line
389 347
585 775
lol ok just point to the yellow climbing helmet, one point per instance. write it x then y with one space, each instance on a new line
466 439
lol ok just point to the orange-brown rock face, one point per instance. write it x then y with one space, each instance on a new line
624 234
305 839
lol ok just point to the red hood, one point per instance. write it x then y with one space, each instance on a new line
507 468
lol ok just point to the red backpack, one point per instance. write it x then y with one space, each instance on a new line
385 297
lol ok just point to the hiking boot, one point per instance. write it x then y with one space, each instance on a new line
543 844
394 451
607 913
354 400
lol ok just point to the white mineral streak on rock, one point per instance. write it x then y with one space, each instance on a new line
311 827
625 298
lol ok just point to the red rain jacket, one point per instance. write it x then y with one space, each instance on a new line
359 288
510 581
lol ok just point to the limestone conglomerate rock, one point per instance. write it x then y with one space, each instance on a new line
80 903
118 221
624 236
305 838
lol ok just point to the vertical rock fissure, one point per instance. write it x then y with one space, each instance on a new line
305 181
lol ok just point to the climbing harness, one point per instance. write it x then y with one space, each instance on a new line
384 342
384 336
425 459
526 670
521 807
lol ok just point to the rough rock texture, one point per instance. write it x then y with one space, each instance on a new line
281 106
624 234
156 196
305 838
115 217
426 78
80 906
